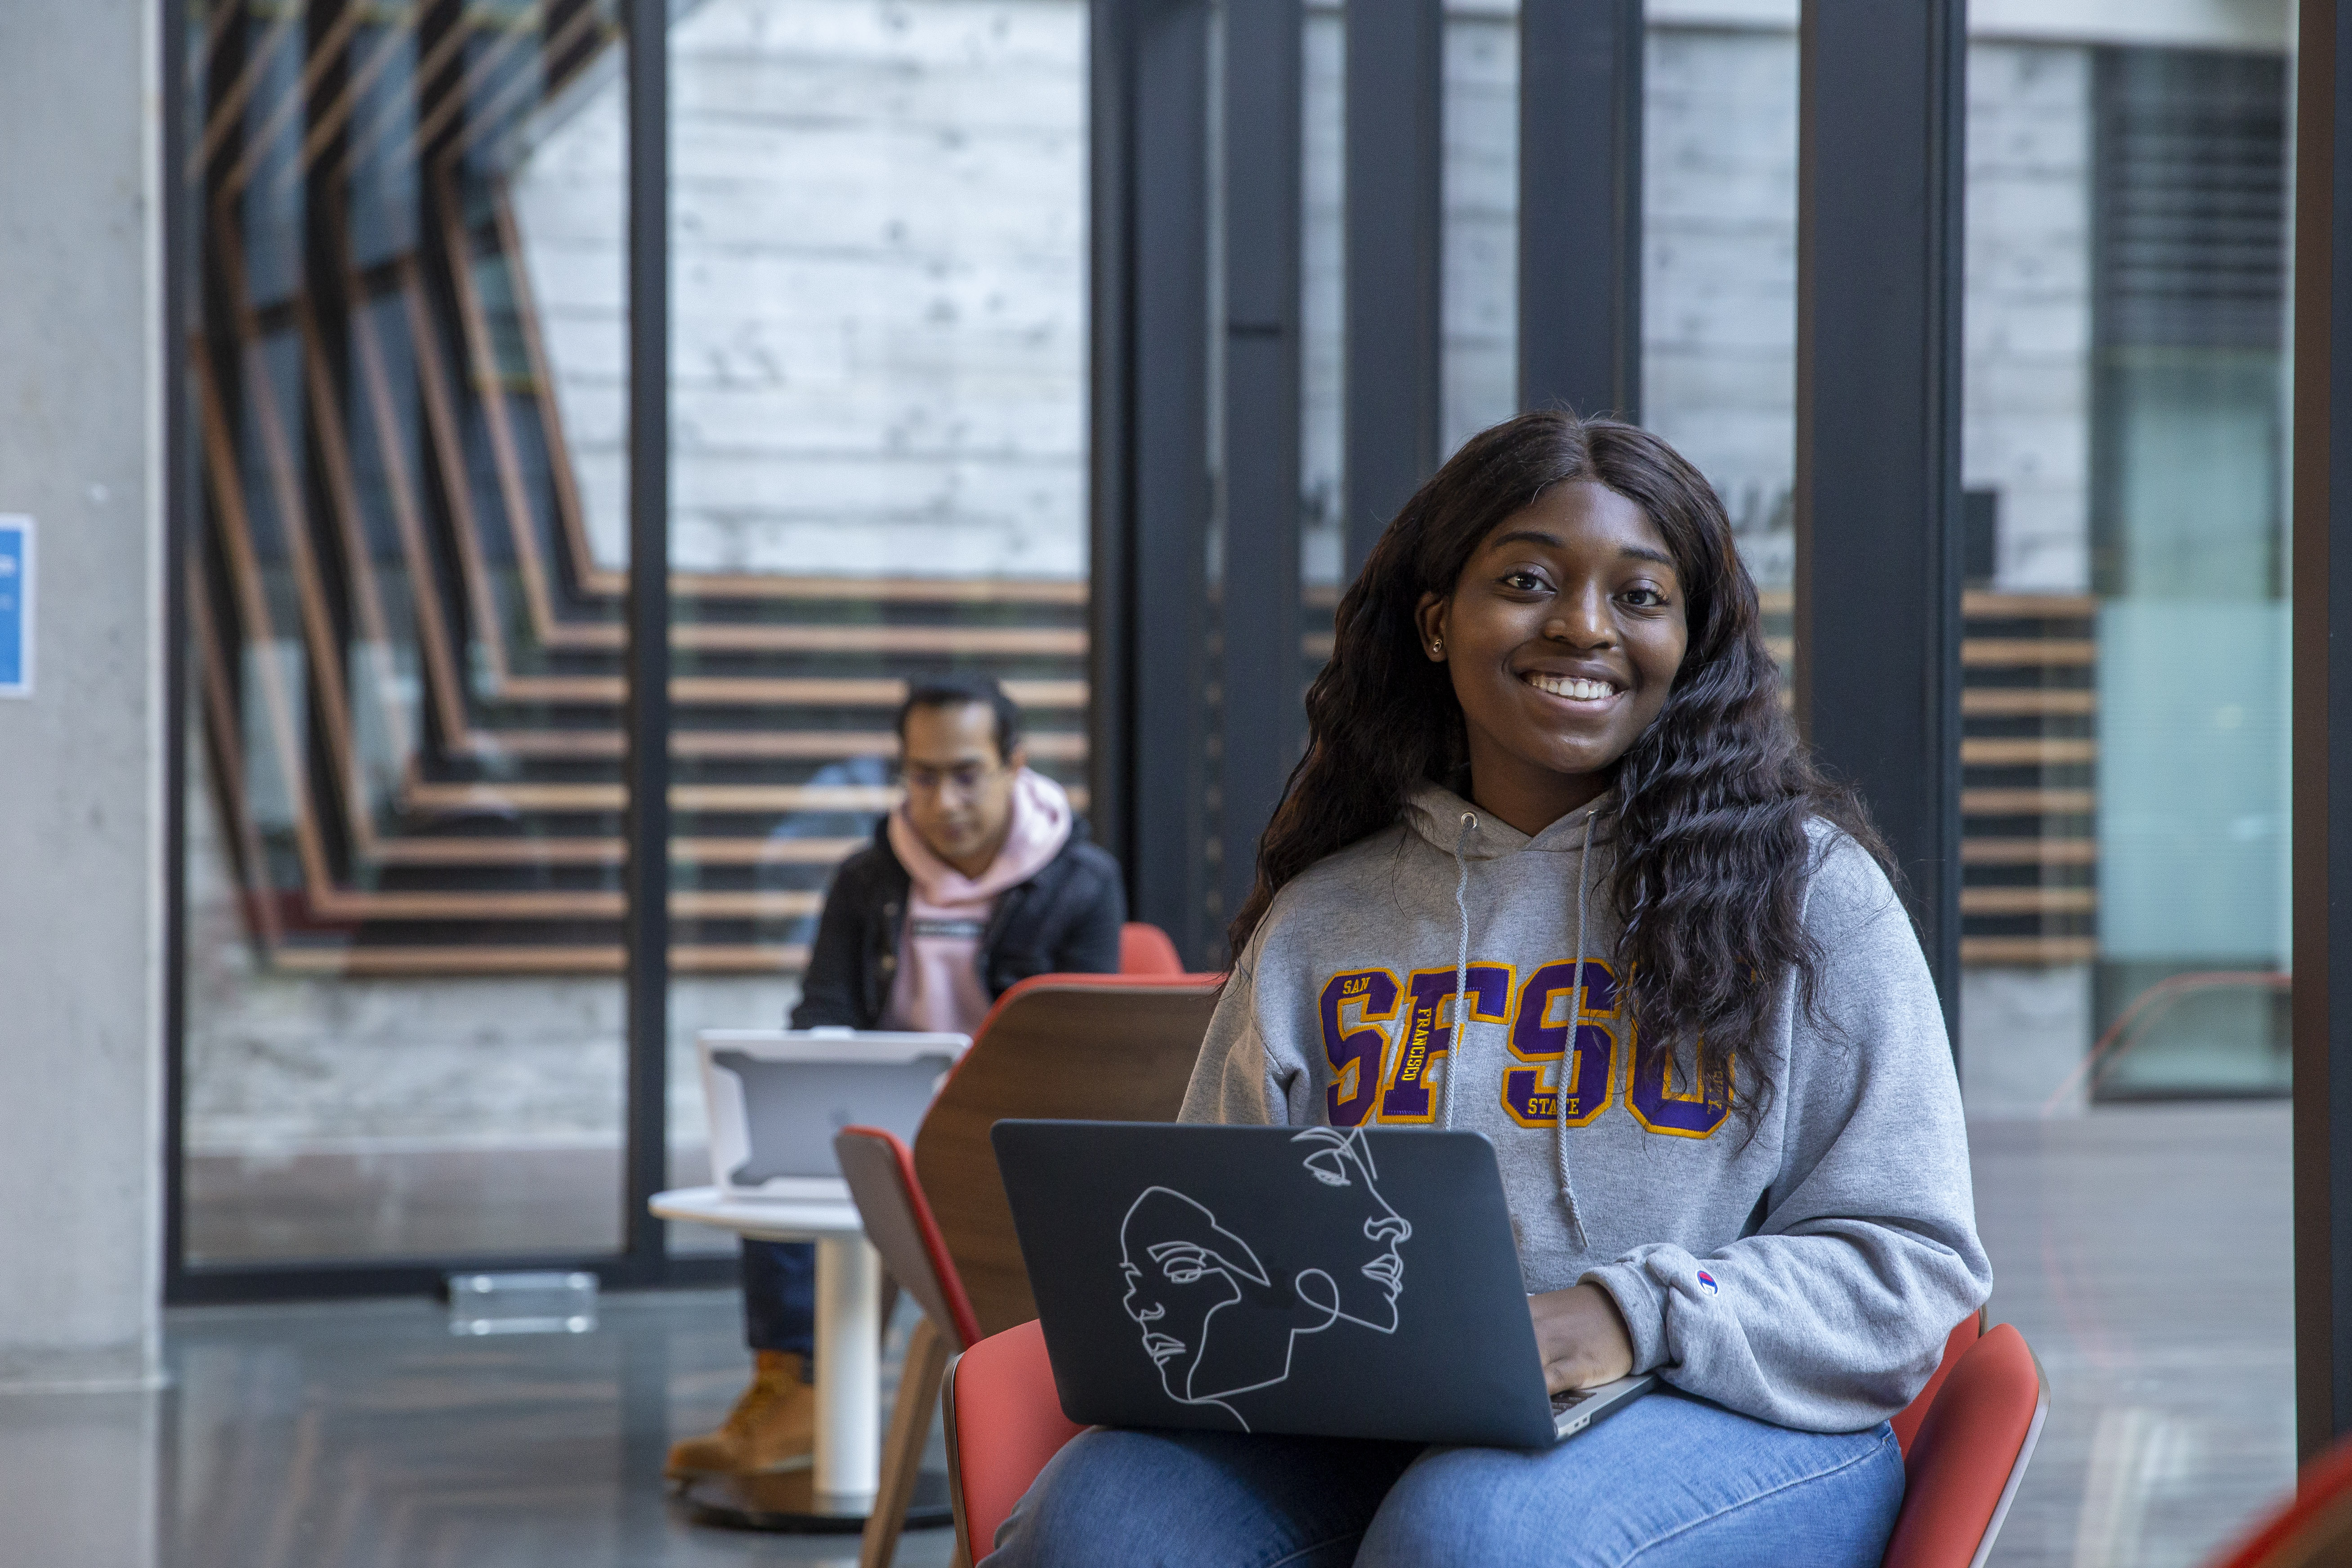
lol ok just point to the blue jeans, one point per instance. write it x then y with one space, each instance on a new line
1667 1482
780 1298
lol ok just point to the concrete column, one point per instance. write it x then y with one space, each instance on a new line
81 761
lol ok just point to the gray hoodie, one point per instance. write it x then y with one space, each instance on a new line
1807 1275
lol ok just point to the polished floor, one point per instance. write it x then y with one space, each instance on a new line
2143 1252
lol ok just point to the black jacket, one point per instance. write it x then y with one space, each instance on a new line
1063 920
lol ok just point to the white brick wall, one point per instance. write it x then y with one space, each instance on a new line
1719 271
2026 398
878 267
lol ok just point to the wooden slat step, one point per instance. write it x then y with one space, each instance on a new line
1042 642
2026 750
1981 604
818 691
492 958
2028 802
1976 605
525 851
2028 901
1068 592
2028 702
543 904
2028 950
749 745
2029 852
873 799
2005 653
745 905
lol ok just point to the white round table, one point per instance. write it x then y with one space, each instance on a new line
848 1325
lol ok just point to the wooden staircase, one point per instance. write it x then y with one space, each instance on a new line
408 663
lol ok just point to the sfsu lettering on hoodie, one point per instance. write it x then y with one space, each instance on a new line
1383 1036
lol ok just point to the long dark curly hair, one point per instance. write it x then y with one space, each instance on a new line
1711 801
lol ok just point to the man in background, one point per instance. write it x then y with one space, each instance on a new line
981 878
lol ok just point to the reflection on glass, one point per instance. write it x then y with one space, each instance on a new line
879 259
402 861
2123 769
1720 279
2190 546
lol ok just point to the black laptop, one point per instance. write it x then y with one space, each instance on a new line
1341 1282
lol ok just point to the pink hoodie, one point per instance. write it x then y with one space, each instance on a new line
939 986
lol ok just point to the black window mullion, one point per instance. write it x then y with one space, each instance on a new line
646 716
1879 532
1580 206
1394 145
1168 534
2322 708
1263 718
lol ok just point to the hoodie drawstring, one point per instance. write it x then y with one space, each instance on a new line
1575 1023
1458 1040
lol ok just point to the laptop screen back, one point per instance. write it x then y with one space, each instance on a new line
1346 1282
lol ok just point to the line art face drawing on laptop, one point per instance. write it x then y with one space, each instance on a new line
1214 1321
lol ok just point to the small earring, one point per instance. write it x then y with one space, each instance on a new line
1438 645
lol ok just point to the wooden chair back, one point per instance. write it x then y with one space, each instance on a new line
1101 1048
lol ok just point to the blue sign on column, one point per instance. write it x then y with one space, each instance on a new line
15 606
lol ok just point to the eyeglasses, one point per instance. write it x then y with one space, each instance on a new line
963 781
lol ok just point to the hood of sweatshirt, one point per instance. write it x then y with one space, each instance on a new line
1434 815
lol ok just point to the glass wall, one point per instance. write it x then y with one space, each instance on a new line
2189 560
2125 765
878 256
402 1026
1720 269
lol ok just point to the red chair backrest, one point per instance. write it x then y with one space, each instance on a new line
1956 1345
1004 1421
1146 949
2312 1528
1963 1466
880 1172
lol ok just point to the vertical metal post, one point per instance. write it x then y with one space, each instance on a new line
646 712
1395 131
178 501
1264 719
1879 538
1171 502
1580 206
1110 476
2323 727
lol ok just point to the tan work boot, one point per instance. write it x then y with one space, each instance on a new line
772 1425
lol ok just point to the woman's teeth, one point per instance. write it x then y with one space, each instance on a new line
1562 686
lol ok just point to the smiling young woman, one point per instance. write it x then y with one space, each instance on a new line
1555 870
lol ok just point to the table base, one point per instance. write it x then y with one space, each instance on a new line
786 1501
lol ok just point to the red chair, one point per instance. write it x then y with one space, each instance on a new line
880 1172
1146 949
1116 1047
1965 1440
1962 1467
2314 1527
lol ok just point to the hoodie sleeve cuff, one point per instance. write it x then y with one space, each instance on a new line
1642 1302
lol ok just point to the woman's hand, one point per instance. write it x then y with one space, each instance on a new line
1582 1337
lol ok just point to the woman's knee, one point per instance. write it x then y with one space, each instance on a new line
1671 1481
1114 1498
1464 1506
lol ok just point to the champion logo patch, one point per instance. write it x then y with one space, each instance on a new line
1707 1281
